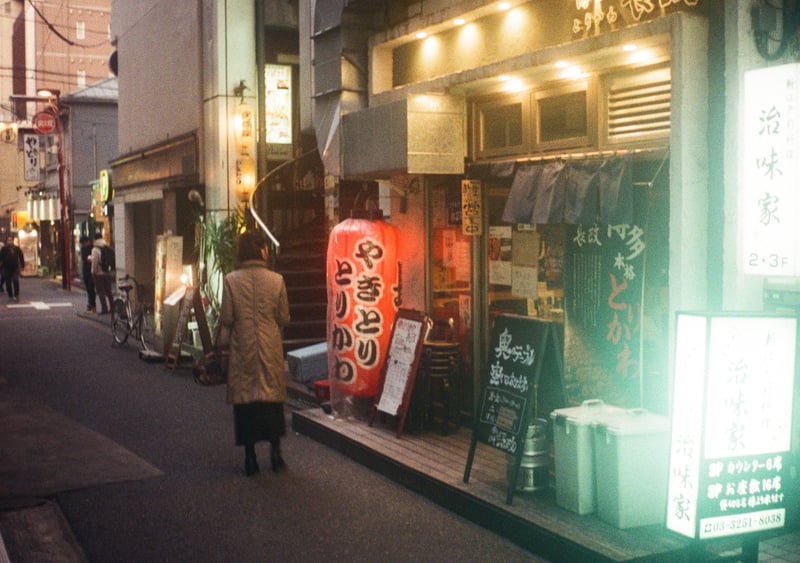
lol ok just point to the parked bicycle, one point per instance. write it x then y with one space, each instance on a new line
130 317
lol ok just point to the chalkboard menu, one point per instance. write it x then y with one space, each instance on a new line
520 347
400 367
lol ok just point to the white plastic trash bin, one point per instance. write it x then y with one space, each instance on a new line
632 467
573 444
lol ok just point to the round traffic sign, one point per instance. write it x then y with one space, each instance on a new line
44 122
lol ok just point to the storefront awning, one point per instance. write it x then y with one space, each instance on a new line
576 192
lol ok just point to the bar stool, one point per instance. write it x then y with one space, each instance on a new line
441 362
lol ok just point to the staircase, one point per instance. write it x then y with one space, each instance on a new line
301 262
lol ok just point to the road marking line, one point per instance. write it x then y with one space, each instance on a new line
39 305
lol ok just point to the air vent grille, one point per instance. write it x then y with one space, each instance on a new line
639 109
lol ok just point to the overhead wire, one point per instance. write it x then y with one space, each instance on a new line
60 35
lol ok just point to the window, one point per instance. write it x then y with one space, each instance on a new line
81 78
80 30
501 126
565 116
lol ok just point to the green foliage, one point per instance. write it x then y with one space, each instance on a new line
215 246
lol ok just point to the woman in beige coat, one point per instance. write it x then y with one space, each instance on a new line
254 310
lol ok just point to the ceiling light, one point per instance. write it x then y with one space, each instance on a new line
459 21
421 35
503 5
629 47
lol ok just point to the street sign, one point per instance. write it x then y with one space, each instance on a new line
44 122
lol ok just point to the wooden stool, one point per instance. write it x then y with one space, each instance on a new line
440 371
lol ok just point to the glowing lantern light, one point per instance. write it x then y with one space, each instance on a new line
362 271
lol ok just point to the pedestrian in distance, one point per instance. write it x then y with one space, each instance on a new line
254 310
12 262
86 274
102 272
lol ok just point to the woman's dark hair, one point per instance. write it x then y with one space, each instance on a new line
249 245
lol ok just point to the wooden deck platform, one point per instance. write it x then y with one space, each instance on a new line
433 465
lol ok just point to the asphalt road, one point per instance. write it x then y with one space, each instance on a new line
201 507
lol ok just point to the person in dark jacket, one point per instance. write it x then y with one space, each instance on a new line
12 262
254 310
86 274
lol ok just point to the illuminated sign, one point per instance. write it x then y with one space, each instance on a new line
731 423
363 294
768 204
104 186
278 106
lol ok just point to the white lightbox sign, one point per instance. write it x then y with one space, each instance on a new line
278 102
731 423
770 169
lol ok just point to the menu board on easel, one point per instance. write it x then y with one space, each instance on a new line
520 347
192 302
400 367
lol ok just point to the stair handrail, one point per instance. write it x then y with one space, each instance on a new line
261 182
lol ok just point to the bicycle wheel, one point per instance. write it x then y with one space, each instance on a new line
144 330
119 321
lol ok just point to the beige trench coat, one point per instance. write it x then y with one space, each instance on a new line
254 310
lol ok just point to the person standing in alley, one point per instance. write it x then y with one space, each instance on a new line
86 274
102 272
254 310
12 262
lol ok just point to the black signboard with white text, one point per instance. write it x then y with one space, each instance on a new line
521 348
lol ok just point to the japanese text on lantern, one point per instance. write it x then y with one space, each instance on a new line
359 289
769 236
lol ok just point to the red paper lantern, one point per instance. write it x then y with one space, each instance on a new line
363 289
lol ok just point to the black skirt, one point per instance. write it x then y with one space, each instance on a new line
254 422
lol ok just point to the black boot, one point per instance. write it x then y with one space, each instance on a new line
250 461
275 457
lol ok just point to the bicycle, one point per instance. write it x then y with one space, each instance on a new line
130 318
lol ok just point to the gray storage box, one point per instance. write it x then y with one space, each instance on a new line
308 364
573 443
632 468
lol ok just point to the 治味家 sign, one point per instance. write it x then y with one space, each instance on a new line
731 424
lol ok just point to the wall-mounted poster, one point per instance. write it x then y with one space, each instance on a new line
732 424
603 313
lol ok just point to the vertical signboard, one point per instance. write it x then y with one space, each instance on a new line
30 147
471 207
731 424
278 106
603 312
768 204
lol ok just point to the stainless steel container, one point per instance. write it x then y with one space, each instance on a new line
534 468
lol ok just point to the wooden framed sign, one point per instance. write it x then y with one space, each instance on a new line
399 370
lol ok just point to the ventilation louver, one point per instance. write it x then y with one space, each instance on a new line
638 107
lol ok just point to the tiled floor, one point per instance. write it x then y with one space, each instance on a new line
781 548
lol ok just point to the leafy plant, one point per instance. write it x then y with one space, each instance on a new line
215 246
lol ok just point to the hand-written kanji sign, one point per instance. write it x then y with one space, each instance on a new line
30 149
520 347
471 207
768 204
400 366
